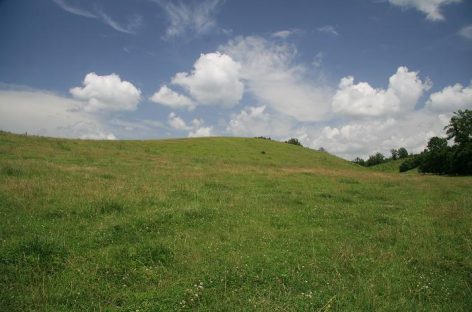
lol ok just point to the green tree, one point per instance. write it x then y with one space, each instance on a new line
394 153
460 127
402 153
436 144
375 159
294 141
437 157
359 161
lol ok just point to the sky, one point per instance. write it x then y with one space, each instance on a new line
353 77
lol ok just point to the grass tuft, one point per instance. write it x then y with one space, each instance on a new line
11 171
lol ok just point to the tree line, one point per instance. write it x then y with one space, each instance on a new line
379 158
439 157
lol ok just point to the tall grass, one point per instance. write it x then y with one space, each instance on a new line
216 225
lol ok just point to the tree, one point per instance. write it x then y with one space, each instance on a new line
375 159
436 144
359 161
437 157
460 127
394 153
402 153
443 159
411 163
294 141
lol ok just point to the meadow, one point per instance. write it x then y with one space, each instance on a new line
225 224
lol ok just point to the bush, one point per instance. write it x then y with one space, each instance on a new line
375 159
294 141
359 161
461 160
410 163
402 153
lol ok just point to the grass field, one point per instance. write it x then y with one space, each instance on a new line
225 224
392 166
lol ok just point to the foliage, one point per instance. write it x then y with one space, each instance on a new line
294 141
375 159
457 159
402 153
394 153
410 163
359 161
460 127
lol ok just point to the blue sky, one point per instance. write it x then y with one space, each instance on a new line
353 77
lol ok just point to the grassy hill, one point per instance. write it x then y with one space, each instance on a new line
392 166
224 224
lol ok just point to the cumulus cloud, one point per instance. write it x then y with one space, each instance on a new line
361 99
271 75
364 137
44 113
201 132
215 80
168 97
190 18
432 8
177 123
466 32
257 121
451 98
107 93
328 29
195 128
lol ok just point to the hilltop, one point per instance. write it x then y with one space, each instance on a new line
224 224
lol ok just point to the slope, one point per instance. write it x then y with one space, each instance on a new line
224 224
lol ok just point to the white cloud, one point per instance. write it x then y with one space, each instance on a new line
195 128
451 98
44 113
328 29
271 76
257 121
284 34
73 9
466 32
107 93
402 94
432 8
168 97
364 137
318 59
131 28
214 80
194 18
177 123
201 132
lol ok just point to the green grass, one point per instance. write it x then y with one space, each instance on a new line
224 224
392 166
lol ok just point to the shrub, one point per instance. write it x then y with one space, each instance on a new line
359 161
410 163
402 153
294 141
375 159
